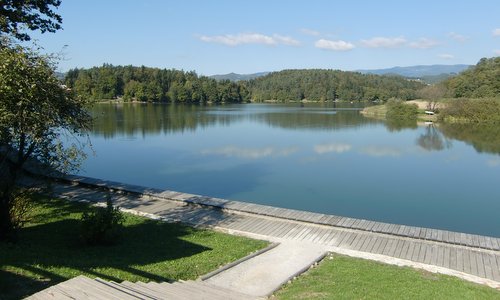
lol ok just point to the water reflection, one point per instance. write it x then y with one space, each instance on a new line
483 137
433 140
130 119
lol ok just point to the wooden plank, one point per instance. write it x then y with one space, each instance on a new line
273 226
404 249
495 268
422 233
399 248
358 241
440 258
304 232
429 253
285 230
416 251
453 258
446 257
409 252
371 243
422 252
467 261
326 238
338 240
351 240
382 245
278 228
460 260
321 235
362 224
293 231
480 264
313 234
388 246
488 272
370 225
366 243
391 251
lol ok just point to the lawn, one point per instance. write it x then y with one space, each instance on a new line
342 277
50 251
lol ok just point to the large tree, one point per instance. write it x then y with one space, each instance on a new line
19 15
36 110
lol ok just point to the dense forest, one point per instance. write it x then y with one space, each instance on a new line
480 81
152 84
321 85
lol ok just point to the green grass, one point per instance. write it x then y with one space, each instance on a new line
50 251
344 277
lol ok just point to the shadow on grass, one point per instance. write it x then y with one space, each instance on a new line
52 252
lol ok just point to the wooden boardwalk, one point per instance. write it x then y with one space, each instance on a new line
473 257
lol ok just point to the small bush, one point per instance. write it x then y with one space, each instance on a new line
101 226
397 109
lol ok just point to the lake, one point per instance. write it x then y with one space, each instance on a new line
321 158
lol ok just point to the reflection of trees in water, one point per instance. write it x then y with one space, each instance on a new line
483 137
130 119
398 124
433 140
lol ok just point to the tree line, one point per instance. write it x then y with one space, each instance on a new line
480 81
164 85
326 85
152 84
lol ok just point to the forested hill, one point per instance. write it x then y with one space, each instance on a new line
482 80
321 85
152 84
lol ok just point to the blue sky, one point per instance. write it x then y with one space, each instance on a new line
221 36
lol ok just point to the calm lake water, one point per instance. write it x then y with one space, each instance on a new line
326 159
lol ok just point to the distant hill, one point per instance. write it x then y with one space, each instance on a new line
238 77
419 71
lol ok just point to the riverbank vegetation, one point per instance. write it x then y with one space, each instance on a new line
50 251
342 277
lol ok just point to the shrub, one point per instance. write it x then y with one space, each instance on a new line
101 225
472 110
397 109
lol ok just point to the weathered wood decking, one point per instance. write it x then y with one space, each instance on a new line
469 256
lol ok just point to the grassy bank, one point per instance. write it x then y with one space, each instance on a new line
50 251
344 277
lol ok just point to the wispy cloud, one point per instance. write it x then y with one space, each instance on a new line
496 52
338 45
378 151
251 153
458 37
494 162
332 147
496 32
424 43
446 56
250 38
310 32
384 42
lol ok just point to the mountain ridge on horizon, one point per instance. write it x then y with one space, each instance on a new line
416 71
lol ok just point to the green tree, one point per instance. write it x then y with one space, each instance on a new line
35 109
16 15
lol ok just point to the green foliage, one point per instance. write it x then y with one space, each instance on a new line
397 109
152 84
35 109
481 81
16 15
343 277
101 226
472 110
327 85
